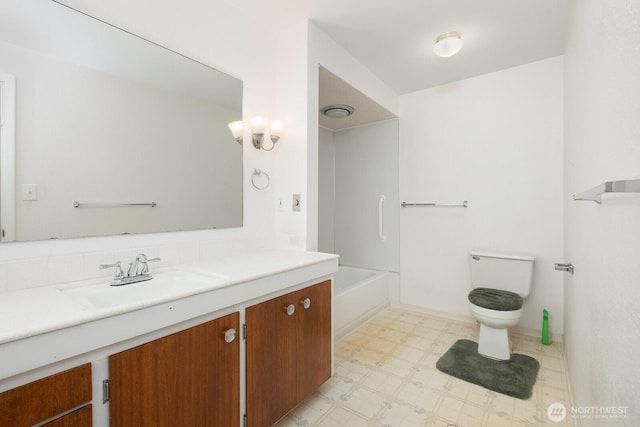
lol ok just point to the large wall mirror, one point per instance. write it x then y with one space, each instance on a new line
113 134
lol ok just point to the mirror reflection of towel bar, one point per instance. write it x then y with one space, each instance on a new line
463 204
114 205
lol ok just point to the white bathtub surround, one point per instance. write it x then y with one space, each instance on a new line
358 294
496 141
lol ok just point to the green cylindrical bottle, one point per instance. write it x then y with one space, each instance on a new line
545 327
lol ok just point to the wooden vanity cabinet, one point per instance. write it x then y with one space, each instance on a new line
190 378
49 398
288 352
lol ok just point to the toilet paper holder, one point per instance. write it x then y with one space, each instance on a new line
568 267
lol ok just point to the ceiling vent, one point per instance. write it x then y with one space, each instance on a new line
337 111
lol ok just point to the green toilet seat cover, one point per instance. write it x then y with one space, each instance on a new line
495 299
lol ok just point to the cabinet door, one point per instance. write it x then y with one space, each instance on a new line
271 364
314 342
190 378
288 353
43 399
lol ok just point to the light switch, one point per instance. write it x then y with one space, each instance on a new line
29 192
296 203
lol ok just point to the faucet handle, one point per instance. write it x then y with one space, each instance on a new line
144 269
117 266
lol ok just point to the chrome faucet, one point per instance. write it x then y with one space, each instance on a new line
138 271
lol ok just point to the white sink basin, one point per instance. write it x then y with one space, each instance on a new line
163 286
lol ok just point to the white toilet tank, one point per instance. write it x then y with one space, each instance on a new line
502 271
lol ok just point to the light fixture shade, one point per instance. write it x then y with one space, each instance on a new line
257 125
236 129
448 44
275 128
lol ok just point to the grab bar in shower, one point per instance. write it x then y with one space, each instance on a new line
113 205
622 186
462 204
381 235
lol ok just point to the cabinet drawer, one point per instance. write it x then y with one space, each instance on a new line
78 418
40 400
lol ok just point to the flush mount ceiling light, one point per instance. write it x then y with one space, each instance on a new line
448 44
337 111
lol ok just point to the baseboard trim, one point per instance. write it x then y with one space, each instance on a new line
469 319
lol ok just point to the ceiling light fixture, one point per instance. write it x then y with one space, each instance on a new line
448 44
337 111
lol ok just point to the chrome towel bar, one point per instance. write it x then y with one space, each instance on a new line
623 186
463 204
113 205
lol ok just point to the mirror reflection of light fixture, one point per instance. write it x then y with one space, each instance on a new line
236 130
448 44
258 129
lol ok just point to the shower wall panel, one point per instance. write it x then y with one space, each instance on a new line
366 168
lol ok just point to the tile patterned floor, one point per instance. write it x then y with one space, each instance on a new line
385 376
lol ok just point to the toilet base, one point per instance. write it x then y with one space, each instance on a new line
494 342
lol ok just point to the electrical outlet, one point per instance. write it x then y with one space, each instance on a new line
295 204
29 192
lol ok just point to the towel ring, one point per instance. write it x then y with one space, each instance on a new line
258 173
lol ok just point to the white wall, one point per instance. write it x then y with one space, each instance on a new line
324 51
496 141
301 50
602 143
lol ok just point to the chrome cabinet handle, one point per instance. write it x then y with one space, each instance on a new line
230 335
290 309
306 303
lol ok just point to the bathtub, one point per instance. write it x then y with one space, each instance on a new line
358 294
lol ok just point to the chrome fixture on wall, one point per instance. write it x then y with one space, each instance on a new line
620 186
260 179
568 267
258 129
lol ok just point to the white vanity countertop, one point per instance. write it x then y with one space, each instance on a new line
39 318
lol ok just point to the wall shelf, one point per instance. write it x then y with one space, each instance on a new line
622 186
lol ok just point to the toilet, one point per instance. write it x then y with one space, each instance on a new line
500 284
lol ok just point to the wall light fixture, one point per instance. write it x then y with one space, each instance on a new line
258 131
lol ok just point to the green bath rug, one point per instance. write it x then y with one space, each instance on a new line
514 377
